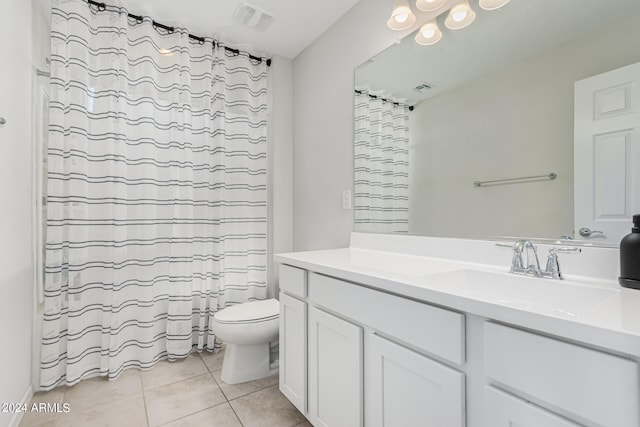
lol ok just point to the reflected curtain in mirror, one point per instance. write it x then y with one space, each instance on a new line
381 198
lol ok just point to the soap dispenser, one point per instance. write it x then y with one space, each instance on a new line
630 257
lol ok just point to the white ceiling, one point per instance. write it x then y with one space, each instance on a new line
296 24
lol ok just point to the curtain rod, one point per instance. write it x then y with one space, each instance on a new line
102 7
362 92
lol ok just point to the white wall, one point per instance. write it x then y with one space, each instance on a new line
323 121
16 266
517 121
280 163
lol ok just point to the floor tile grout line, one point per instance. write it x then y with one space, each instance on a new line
193 413
180 380
220 387
243 395
210 373
205 364
254 392
214 379
235 413
226 399
225 395
222 390
144 401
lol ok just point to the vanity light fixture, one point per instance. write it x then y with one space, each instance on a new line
492 4
430 5
429 34
401 17
460 16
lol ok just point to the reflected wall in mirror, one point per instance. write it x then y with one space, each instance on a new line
499 100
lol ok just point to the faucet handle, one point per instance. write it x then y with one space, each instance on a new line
552 269
566 249
517 262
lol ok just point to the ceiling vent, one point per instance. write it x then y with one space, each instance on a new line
252 16
423 87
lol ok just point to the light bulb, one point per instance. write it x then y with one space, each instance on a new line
429 34
401 16
460 16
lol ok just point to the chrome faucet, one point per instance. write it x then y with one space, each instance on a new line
532 265
525 260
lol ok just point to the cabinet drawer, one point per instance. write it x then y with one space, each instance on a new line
588 385
293 280
504 410
432 329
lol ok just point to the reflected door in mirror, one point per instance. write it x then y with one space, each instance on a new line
607 154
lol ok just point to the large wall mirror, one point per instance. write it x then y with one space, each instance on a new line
523 124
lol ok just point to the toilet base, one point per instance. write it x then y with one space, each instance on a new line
246 362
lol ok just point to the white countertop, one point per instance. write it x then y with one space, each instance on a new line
602 314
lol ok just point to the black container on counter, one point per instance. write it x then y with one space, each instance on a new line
630 257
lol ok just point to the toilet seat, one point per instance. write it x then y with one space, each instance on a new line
249 312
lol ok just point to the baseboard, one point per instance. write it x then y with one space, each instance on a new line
26 399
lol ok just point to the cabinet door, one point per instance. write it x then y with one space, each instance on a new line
293 351
335 371
404 388
504 410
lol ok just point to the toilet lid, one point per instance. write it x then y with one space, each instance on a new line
254 311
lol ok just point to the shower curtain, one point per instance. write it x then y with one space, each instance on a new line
156 192
381 196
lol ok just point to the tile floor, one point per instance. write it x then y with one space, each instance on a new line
179 394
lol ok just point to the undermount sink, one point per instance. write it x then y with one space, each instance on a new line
552 296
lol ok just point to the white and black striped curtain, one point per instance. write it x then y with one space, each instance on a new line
156 192
381 196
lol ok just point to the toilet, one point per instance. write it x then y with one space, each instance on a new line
248 330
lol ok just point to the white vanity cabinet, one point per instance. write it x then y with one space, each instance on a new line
368 355
355 355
